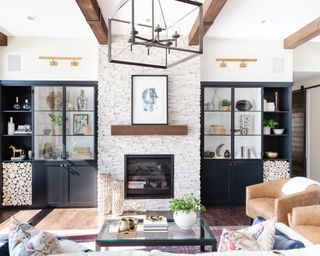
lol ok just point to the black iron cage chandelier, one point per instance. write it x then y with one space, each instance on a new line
164 48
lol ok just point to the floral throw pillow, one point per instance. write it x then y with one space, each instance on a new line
257 237
232 240
42 243
18 232
24 239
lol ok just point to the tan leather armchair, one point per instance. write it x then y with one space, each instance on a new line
266 200
306 221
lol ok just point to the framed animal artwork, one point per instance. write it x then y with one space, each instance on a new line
149 99
79 121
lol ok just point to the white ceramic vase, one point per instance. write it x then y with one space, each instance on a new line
185 220
266 130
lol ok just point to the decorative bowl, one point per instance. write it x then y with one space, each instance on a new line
243 105
46 131
278 131
271 154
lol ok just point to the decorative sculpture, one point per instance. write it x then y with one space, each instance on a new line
15 150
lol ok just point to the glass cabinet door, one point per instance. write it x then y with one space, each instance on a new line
48 122
217 123
80 123
247 123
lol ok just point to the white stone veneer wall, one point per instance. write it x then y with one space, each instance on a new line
114 107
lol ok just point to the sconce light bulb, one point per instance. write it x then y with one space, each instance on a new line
243 65
223 65
74 63
53 63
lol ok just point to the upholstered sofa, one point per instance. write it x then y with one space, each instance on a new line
306 221
267 200
311 249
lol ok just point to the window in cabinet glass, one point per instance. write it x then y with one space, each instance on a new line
217 123
80 125
48 122
247 123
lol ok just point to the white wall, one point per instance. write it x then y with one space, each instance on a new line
34 69
313 135
262 70
306 58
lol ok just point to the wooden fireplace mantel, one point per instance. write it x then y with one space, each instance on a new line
118 130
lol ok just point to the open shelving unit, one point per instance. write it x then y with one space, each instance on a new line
224 177
20 117
66 176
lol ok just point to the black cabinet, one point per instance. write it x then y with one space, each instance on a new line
62 142
243 174
215 182
81 185
224 182
233 138
71 184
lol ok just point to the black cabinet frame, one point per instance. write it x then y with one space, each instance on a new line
70 167
223 181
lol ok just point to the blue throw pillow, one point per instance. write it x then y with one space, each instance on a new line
282 241
4 247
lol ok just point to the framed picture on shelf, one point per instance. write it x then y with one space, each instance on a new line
79 121
149 99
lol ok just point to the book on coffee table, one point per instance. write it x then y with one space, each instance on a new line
155 223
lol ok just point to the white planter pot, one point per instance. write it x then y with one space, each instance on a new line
266 130
185 220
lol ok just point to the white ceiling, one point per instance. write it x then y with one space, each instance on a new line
54 18
238 18
244 18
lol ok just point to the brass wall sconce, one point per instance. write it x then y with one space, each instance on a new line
243 62
53 60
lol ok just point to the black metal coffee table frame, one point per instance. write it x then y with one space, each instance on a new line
206 238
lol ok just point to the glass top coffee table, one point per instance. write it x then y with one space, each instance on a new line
200 235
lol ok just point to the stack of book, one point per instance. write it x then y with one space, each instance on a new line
81 153
155 224
136 184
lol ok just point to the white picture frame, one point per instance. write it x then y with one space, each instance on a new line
149 99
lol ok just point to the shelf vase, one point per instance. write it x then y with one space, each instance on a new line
185 220
266 130
216 99
57 130
11 127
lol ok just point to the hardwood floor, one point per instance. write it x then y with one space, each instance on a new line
226 216
87 218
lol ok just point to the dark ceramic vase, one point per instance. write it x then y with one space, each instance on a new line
243 105
227 154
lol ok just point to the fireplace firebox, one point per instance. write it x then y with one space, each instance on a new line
148 176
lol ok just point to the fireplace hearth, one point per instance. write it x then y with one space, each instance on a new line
148 176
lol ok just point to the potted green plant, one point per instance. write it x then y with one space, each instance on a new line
269 124
225 103
57 120
184 210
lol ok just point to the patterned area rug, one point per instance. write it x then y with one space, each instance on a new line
88 240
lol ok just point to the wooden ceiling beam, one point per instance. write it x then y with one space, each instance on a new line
303 35
211 9
3 39
91 11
